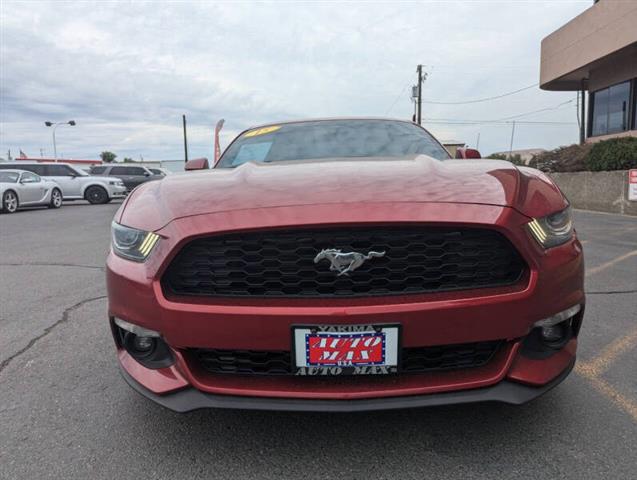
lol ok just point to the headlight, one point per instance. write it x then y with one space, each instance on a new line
554 229
119 183
131 243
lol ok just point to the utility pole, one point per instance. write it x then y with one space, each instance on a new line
422 76
478 142
419 100
511 145
185 140
582 125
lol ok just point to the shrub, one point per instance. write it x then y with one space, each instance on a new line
562 159
515 159
614 154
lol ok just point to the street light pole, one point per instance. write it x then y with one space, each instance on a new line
56 125
55 147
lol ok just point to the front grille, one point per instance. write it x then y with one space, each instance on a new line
281 263
249 362
447 357
412 360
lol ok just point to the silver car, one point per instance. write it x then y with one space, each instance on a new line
75 183
19 188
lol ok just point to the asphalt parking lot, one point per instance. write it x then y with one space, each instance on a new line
66 413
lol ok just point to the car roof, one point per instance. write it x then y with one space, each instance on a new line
119 164
22 162
14 170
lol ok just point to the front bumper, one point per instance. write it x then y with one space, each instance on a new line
116 191
190 399
554 283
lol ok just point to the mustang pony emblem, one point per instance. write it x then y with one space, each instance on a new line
345 262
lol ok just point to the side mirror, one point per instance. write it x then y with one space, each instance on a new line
197 164
467 153
146 174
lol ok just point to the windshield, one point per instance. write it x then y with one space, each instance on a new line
331 139
78 171
9 177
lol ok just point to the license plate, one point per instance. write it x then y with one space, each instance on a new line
346 349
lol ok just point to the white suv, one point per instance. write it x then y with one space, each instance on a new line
74 182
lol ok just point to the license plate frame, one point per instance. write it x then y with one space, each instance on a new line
304 357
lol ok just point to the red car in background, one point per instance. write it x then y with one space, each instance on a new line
342 265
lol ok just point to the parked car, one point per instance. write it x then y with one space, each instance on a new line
131 175
19 188
355 250
159 171
73 181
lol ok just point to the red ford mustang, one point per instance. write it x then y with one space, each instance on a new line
344 265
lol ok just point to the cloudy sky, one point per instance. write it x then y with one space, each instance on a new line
126 71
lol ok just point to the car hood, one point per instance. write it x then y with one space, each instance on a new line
341 181
97 178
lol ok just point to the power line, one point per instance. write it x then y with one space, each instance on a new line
396 99
479 100
538 111
452 121
507 120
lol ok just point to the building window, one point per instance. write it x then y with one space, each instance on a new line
634 125
610 109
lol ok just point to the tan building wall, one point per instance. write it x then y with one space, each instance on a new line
452 147
594 51
599 138
615 69
603 31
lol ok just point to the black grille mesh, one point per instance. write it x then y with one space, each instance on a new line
281 263
413 360
446 357
249 362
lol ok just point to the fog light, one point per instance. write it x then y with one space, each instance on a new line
143 344
554 333
551 334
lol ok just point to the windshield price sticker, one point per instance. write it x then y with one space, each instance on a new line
262 131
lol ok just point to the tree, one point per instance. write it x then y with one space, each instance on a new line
128 160
107 157
515 159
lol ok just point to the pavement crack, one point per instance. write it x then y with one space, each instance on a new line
45 264
65 317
